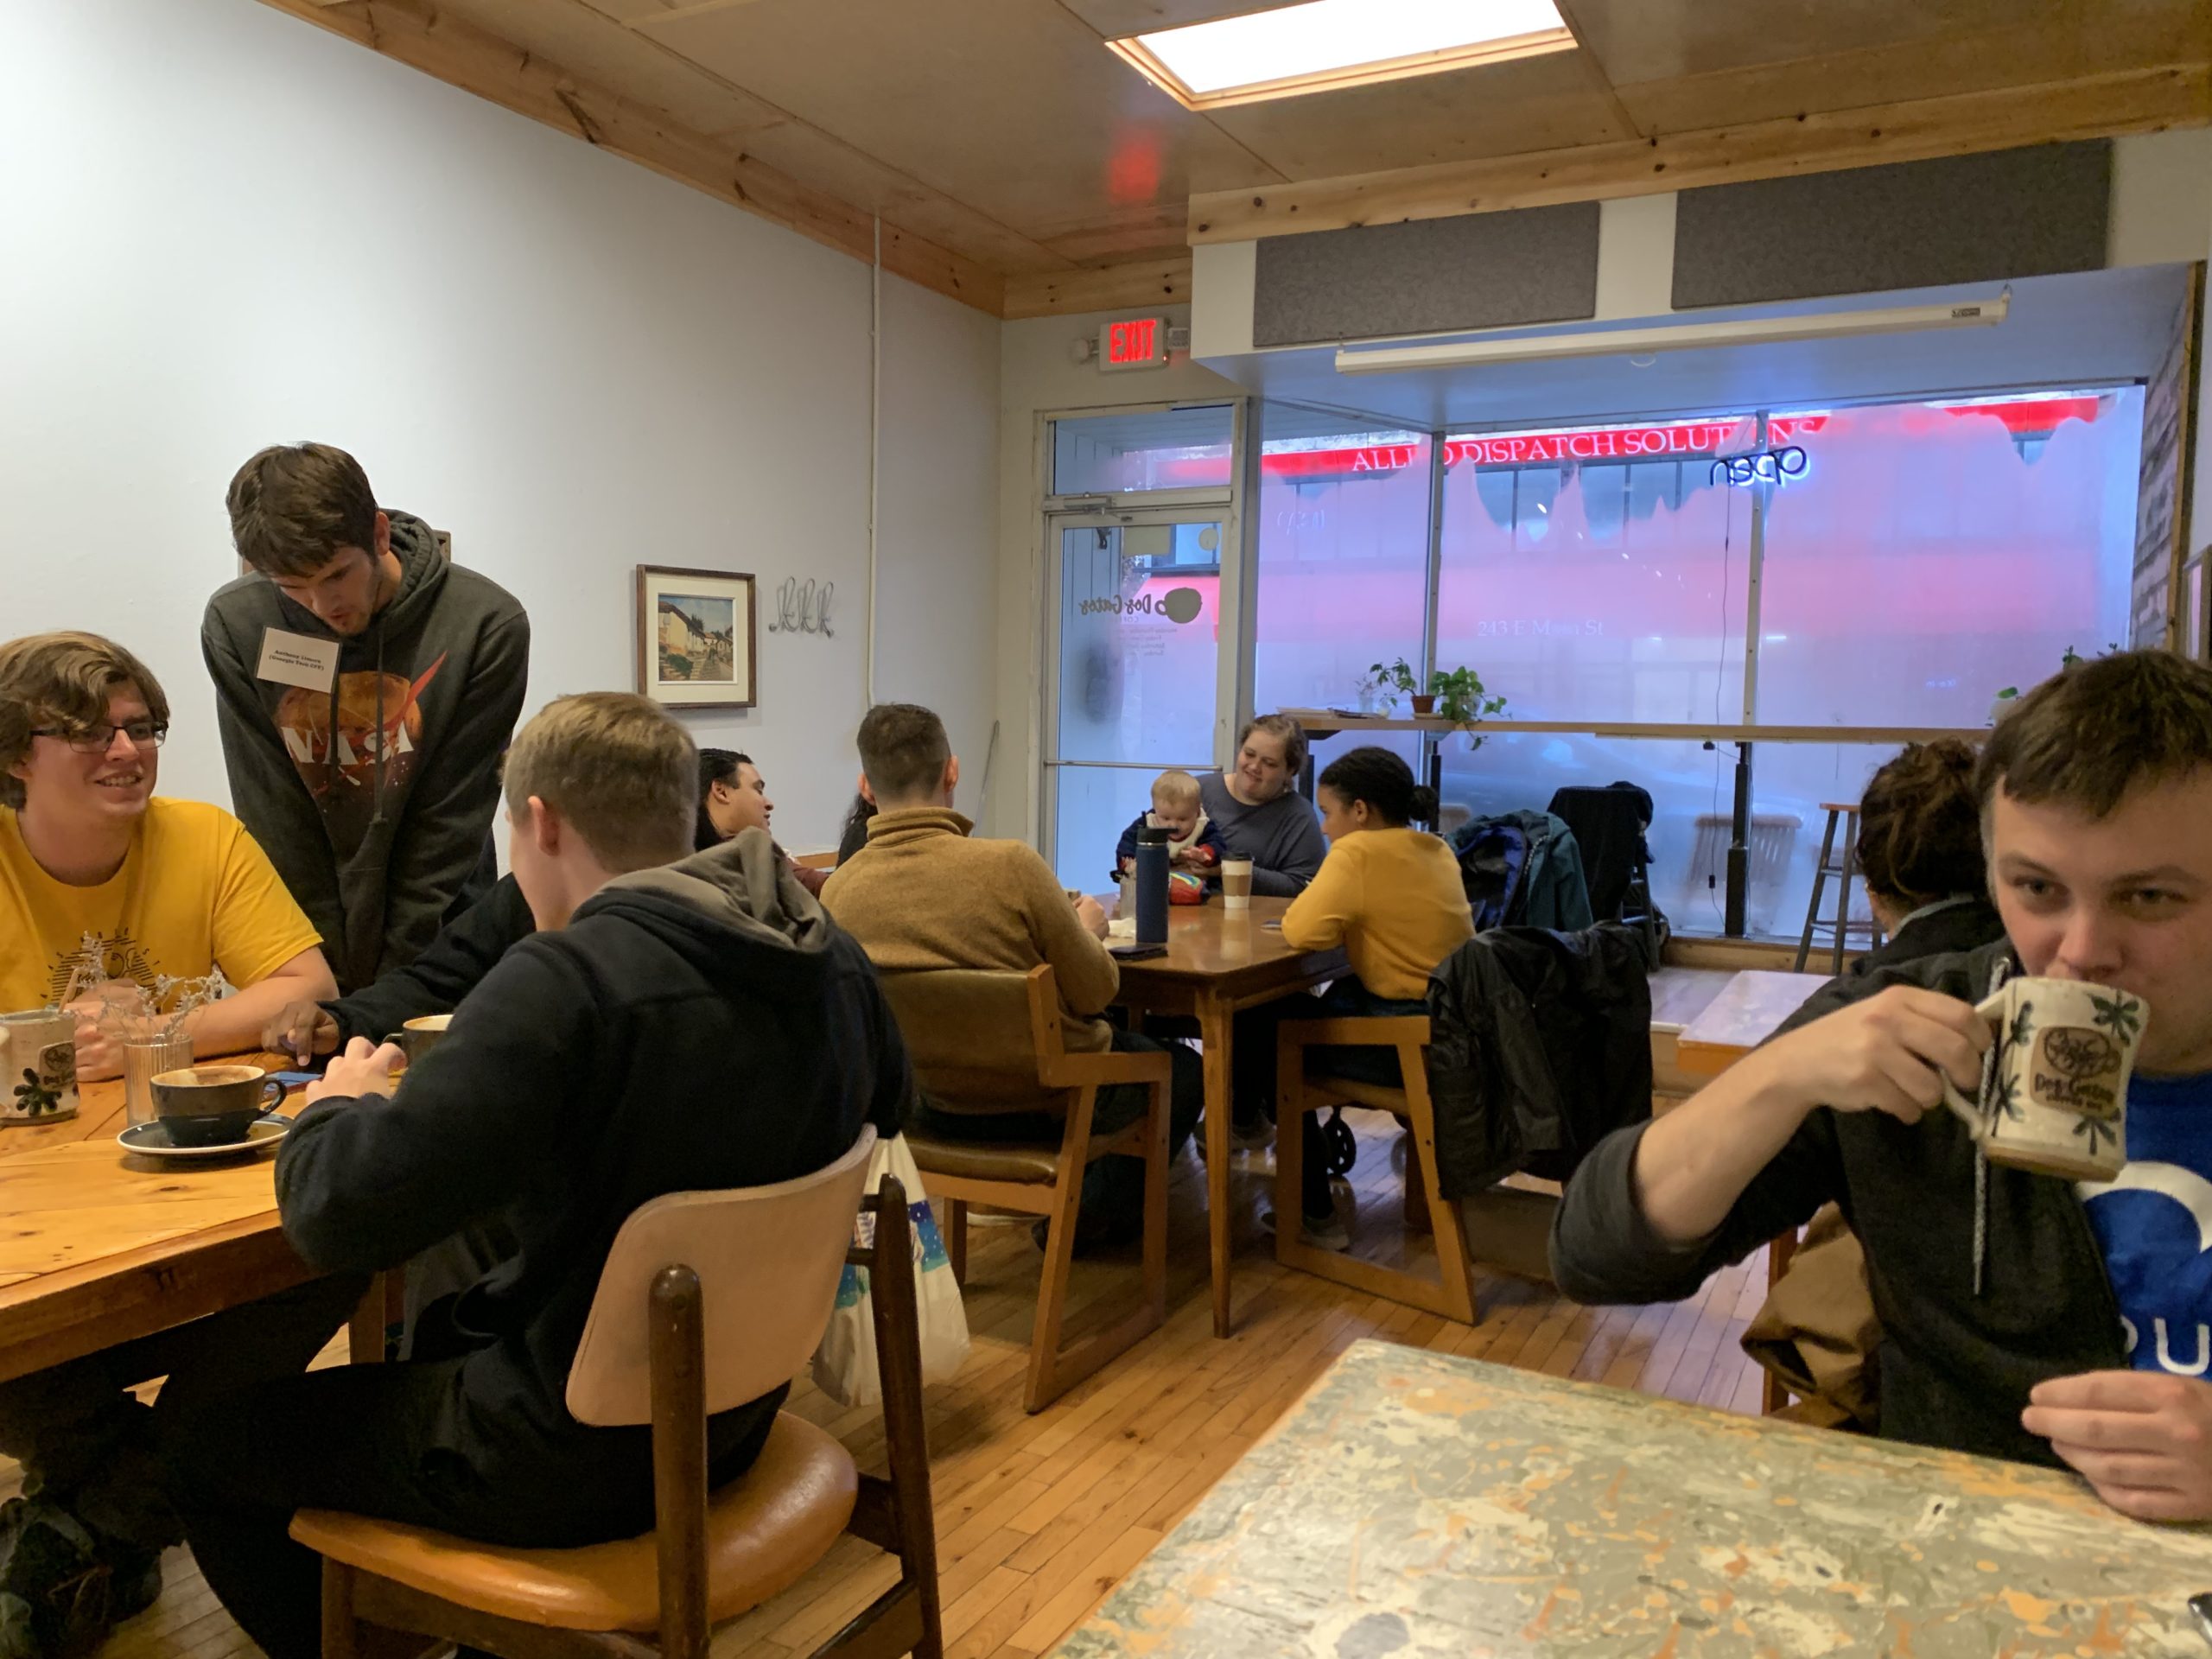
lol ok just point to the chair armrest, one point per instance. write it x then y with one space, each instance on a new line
1376 1031
1074 1071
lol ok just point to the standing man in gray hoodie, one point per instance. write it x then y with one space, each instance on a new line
366 688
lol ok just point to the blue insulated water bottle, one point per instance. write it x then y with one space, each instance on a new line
1152 886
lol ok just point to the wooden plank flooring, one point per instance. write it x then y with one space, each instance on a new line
1038 1517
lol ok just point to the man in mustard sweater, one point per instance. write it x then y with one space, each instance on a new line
924 894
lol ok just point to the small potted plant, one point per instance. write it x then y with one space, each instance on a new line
1460 698
1396 679
2001 705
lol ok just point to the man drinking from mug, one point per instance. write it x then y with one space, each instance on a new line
2023 1316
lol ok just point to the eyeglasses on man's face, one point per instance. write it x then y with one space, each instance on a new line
99 740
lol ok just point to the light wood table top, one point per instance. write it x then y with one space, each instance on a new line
98 1246
1220 961
1745 1013
1416 1505
1210 943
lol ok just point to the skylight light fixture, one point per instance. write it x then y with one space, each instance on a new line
1330 43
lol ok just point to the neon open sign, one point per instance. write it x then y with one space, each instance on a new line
1761 466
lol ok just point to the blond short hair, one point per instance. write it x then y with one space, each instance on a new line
1174 788
619 768
62 680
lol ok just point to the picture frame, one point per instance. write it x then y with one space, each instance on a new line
698 637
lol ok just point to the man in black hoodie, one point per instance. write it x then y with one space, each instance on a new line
365 688
667 1029
2022 1316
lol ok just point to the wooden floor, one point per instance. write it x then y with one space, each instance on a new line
1038 1517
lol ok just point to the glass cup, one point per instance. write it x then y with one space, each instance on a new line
142 1062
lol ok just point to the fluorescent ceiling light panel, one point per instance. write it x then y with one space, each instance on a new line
1325 43
1673 337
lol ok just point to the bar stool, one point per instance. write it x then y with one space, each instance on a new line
1845 924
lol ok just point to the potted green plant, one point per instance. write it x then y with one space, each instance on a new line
1396 679
2001 705
1462 699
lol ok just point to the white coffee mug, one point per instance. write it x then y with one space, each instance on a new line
38 1066
2057 1104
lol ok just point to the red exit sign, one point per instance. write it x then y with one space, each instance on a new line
1134 343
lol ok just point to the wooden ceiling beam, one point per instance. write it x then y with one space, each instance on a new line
1165 281
420 36
2096 106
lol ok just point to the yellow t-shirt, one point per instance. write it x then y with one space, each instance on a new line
195 891
1394 899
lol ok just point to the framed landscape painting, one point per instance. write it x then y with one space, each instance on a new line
696 630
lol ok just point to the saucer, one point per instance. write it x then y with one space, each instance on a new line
152 1141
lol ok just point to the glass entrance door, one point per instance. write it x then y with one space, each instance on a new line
1137 639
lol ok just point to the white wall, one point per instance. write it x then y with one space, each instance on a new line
1037 374
226 228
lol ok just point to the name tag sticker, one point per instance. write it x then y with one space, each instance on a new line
296 659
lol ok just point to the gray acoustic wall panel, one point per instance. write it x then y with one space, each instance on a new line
1966 219
1432 275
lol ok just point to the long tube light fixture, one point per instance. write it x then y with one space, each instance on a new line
1673 337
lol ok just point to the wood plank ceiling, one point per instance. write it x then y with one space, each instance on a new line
1020 165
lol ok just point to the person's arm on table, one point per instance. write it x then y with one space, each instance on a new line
435 982
1655 1208
364 1182
1069 935
1317 917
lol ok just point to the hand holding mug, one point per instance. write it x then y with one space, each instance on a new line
1891 1052
361 1070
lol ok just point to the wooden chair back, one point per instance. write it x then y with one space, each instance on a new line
767 1259
981 1040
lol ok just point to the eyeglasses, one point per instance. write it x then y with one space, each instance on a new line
99 740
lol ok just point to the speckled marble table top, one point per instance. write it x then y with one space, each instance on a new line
1417 1505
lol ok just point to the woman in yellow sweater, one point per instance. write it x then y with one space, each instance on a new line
1391 897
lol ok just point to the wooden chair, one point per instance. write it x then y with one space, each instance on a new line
1507 1227
708 1299
986 1044
1451 1294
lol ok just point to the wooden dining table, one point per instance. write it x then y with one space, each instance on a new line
101 1246
1218 963
1421 1505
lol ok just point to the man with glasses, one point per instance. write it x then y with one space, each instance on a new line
92 860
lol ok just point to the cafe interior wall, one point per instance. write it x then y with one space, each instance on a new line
225 230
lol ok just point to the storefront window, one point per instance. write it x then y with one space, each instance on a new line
1933 553
1918 558
1344 562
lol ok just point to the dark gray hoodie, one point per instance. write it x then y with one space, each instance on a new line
376 837
698 1026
